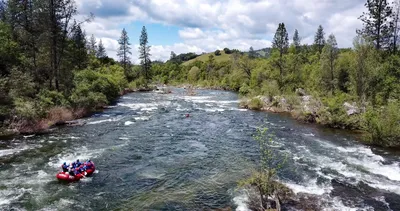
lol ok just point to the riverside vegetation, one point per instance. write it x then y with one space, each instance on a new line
51 73
356 88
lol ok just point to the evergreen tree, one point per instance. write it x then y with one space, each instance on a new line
144 51
328 61
101 52
281 44
377 22
319 39
92 45
252 53
173 56
396 25
296 40
124 50
79 52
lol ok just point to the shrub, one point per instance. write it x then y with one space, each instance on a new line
227 51
217 52
244 89
49 99
194 74
270 89
383 125
255 104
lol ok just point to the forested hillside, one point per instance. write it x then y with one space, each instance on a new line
357 88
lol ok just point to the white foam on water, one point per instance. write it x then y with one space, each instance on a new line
82 154
339 206
12 151
104 120
149 109
310 187
143 118
123 138
390 171
309 134
213 110
127 123
29 136
241 201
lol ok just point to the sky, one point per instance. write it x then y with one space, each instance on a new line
206 25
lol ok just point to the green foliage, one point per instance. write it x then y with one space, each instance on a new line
383 125
217 53
194 74
95 88
264 180
255 104
49 99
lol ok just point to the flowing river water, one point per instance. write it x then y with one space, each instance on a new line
149 156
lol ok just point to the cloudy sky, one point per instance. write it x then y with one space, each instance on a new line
206 25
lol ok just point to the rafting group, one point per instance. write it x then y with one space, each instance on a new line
75 171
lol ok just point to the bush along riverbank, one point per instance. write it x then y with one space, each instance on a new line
94 88
380 125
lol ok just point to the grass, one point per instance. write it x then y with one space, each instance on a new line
221 58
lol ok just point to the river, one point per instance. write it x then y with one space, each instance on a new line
149 156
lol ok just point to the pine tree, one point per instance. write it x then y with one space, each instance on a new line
319 39
377 23
396 25
101 51
144 51
92 47
328 62
281 43
252 53
296 40
124 49
80 52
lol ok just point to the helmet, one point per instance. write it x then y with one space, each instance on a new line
89 161
77 161
65 163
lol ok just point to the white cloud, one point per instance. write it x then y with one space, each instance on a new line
210 24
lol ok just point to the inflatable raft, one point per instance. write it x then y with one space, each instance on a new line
66 177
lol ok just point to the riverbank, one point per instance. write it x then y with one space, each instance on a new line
379 127
56 117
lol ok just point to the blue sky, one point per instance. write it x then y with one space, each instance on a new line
206 25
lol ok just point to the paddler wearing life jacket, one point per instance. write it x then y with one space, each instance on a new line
88 164
65 167
78 163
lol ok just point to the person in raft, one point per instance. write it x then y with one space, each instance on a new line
78 163
73 172
65 167
89 164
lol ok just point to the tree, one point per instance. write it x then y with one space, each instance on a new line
281 44
101 52
172 56
217 53
92 45
144 54
365 65
124 50
252 53
377 22
79 49
319 39
296 40
396 25
328 61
